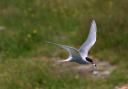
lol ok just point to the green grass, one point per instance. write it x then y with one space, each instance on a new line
29 23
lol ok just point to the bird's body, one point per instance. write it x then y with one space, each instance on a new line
81 55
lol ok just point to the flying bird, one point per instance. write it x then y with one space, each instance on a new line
81 55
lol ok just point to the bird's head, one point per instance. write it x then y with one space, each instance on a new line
91 61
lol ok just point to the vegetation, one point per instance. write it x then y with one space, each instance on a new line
25 25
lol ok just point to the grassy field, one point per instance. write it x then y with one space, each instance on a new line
25 25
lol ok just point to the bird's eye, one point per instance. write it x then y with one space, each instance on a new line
89 59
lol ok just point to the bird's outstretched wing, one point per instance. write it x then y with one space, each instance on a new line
91 39
73 52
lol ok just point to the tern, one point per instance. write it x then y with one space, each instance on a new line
81 55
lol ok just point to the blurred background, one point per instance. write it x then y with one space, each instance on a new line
26 61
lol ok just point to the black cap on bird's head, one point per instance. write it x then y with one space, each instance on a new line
91 61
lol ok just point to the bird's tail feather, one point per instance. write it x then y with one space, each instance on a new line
61 61
66 60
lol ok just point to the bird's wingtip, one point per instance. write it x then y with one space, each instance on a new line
93 21
49 42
